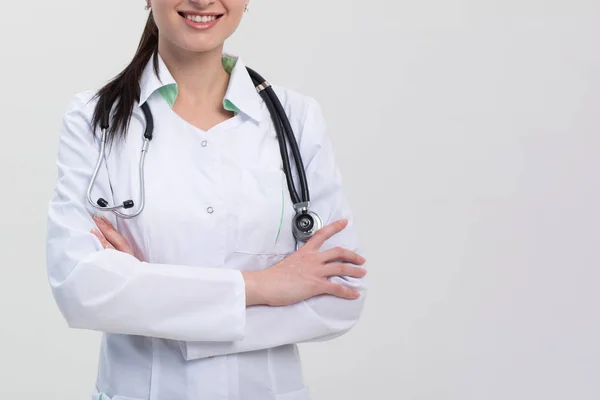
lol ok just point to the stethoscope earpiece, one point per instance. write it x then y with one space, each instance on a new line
127 204
102 202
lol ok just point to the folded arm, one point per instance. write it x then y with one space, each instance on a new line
111 291
319 318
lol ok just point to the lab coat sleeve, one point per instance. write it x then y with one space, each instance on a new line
111 291
319 318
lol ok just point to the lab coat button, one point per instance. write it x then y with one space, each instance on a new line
210 210
204 143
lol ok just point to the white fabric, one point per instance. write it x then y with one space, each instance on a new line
175 322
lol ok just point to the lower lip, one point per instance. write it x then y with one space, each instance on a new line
201 25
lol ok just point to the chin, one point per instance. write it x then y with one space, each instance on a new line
200 45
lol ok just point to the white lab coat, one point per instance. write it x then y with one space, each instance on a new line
174 317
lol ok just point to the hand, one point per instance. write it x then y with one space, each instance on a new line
304 274
109 236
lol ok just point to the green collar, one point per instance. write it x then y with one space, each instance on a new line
169 92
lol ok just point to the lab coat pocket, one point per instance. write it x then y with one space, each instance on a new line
265 214
302 394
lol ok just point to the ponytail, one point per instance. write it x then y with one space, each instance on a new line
123 91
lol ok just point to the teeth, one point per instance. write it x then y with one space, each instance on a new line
203 19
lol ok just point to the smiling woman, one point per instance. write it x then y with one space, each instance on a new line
209 297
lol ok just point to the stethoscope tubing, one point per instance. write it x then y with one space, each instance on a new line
283 129
284 133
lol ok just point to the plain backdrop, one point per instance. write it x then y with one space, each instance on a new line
468 135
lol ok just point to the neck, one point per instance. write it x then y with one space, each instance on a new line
200 76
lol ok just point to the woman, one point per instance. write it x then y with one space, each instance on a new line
203 295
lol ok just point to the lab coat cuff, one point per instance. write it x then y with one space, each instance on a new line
192 350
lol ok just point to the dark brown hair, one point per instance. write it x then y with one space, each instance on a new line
123 91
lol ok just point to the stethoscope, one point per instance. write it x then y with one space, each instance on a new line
305 222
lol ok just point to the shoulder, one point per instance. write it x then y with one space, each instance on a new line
82 102
305 115
306 119
78 116
80 108
298 106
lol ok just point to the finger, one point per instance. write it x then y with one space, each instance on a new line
339 269
315 242
340 291
105 244
112 235
343 255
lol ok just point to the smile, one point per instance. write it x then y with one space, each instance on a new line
200 21
200 18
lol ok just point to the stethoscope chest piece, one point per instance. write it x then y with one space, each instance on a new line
305 223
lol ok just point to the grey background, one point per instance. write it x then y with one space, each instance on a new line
467 132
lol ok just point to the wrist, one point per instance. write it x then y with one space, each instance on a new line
254 296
